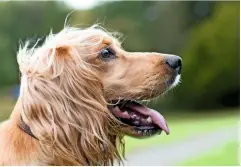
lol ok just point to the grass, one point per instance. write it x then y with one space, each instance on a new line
226 155
182 127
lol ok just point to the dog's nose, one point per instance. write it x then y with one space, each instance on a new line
175 62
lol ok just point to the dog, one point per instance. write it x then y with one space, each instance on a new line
79 96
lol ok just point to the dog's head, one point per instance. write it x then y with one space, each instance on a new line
83 86
129 76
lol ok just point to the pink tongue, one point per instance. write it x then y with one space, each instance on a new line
157 118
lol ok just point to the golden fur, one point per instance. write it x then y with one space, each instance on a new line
65 89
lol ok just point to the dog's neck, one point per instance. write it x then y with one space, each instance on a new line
16 116
22 125
16 119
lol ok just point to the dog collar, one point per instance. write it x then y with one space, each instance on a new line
26 128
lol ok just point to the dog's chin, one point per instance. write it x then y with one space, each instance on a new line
138 120
174 82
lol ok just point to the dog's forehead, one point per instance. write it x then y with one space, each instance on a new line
104 39
107 41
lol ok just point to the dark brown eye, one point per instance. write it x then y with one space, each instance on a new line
107 54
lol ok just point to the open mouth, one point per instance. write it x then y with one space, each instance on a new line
143 120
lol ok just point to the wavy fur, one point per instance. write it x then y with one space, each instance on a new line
62 101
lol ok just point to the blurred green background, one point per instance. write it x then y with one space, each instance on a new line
204 33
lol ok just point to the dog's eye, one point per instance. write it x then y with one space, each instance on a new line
107 54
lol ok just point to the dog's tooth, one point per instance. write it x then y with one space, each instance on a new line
149 119
136 122
125 113
139 131
134 116
148 132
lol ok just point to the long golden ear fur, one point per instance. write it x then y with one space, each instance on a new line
67 112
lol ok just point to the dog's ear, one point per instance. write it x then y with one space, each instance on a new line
54 60
63 52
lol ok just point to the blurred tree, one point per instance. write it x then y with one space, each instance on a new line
210 76
24 21
146 25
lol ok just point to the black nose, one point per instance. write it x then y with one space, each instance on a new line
175 62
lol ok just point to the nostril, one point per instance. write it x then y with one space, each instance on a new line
179 62
179 68
174 62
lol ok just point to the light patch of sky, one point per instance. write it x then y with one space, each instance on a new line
82 4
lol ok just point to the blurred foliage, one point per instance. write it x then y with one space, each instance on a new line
24 21
205 34
211 61
146 26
